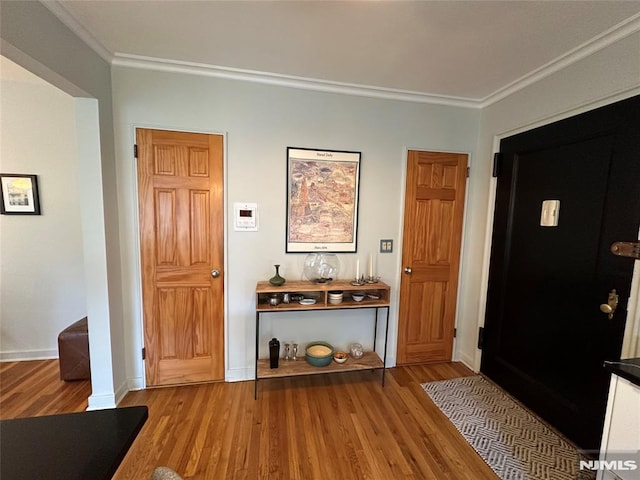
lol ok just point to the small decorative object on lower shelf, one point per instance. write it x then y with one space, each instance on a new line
340 357
274 352
319 354
356 350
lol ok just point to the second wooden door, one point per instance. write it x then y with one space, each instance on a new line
434 210
180 200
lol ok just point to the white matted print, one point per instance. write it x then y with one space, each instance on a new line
322 200
19 194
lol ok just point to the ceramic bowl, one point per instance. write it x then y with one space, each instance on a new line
340 357
319 354
335 296
357 297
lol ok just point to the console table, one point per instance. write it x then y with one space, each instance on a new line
376 298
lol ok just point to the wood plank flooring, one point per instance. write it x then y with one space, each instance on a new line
339 426
34 388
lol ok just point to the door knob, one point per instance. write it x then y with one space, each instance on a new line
215 273
407 270
612 303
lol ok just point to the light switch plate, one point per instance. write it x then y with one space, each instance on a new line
386 246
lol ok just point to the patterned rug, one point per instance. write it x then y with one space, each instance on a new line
513 442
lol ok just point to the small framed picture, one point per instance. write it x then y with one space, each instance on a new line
19 194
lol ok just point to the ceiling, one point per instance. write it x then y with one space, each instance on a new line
468 50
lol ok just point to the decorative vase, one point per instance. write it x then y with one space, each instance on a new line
277 280
274 353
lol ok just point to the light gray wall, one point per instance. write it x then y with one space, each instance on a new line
34 38
42 287
610 74
259 122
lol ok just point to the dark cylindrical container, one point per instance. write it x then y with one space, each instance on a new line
274 352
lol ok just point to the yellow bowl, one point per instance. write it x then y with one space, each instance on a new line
319 354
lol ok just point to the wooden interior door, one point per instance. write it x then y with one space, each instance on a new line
434 210
180 200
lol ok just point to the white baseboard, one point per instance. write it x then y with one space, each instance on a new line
467 360
101 402
135 383
239 374
391 361
15 356
121 392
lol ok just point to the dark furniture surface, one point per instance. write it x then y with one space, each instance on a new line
628 368
73 352
74 446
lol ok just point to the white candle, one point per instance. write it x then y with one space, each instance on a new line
357 268
370 265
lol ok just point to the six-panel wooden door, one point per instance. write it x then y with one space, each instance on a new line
180 199
434 210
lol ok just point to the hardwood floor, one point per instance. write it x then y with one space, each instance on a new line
341 426
34 388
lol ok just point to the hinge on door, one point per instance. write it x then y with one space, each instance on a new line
468 170
455 332
626 249
497 164
135 151
480 337
144 353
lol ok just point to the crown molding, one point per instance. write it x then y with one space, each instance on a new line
193 68
70 22
606 38
616 33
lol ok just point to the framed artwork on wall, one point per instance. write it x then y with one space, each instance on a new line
322 200
19 194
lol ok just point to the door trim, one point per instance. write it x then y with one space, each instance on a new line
140 381
633 310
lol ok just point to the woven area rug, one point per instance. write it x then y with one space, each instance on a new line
513 442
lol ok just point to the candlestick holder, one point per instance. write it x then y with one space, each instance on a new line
358 281
372 279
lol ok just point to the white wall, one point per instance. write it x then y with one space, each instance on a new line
260 121
41 264
34 38
608 75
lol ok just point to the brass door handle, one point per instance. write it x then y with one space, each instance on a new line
407 270
612 303
215 273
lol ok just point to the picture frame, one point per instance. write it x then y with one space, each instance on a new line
322 200
19 194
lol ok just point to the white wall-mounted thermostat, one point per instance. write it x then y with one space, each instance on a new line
245 217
